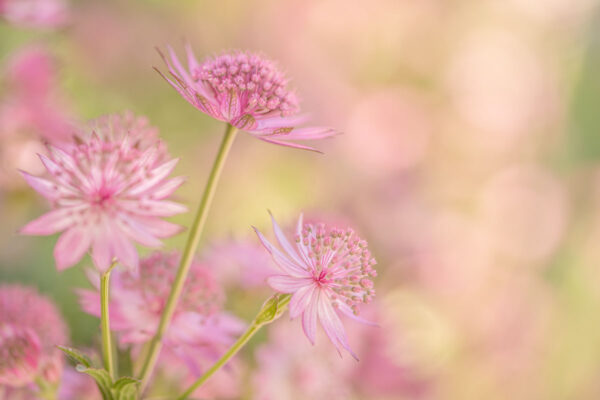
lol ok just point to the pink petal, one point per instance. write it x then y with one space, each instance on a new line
70 247
153 208
347 311
287 284
288 144
89 301
49 223
286 265
158 174
158 227
43 186
136 231
101 254
309 133
332 325
283 242
167 188
124 251
309 317
302 249
300 300
231 106
270 123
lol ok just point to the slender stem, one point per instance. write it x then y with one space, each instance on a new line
107 348
187 256
272 312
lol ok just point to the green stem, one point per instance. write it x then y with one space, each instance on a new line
155 343
272 310
107 348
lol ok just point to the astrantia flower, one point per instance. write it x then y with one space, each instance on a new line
246 90
108 189
19 355
329 271
199 329
30 329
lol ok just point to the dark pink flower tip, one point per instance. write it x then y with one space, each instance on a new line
30 329
20 354
246 90
328 271
109 188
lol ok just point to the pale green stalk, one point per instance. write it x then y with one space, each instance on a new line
155 343
272 310
107 348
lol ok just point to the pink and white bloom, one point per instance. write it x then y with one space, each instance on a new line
199 331
245 90
108 189
30 329
19 355
47 14
328 271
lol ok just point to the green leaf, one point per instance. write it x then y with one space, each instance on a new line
76 356
125 388
102 379
124 381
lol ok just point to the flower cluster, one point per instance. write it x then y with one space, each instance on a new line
246 90
108 188
330 270
30 329
199 329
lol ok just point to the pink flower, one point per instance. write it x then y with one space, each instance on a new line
329 271
76 386
289 372
30 329
199 331
35 13
246 90
241 263
34 104
19 355
108 188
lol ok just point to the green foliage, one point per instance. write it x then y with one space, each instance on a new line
124 388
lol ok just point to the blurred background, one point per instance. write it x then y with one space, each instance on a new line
470 161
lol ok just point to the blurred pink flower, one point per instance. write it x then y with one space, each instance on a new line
33 321
108 188
239 262
199 331
330 271
76 386
31 111
246 90
288 372
35 13
19 355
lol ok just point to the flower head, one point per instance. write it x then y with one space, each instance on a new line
199 328
19 355
35 13
330 270
30 329
108 188
246 90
